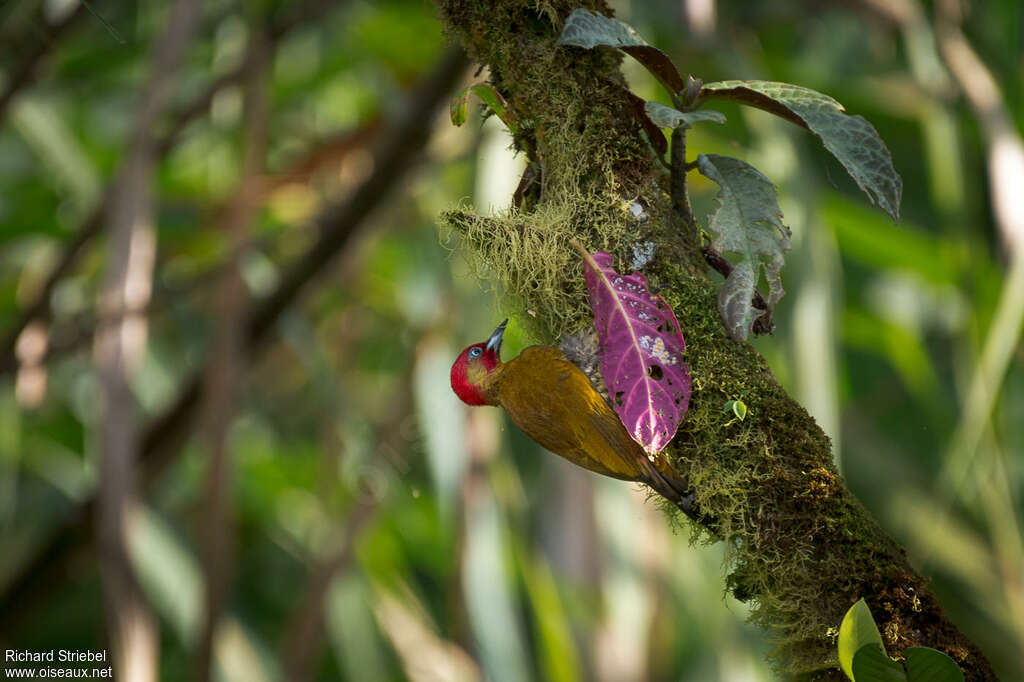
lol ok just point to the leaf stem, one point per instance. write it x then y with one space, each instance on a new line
677 184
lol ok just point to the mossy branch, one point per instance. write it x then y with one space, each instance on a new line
801 548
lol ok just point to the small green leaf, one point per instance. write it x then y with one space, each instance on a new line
489 96
748 222
930 665
589 30
737 407
667 117
493 99
458 107
851 139
857 629
870 664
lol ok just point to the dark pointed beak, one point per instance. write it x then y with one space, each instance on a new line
494 343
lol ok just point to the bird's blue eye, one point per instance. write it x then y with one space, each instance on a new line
475 352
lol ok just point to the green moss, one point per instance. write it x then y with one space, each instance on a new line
531 258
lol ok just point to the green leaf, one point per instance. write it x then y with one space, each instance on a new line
589 30
458 107
930 665
870 664
489 96
558 658
857 629
353 634
851 139
748 222
737 407
46 132
667 117
168 571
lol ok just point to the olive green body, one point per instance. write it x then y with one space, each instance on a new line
554 403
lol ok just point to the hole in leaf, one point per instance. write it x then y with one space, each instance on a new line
618 398
655 372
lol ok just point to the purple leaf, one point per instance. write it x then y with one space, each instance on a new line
641 352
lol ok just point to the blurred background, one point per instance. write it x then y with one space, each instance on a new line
309 500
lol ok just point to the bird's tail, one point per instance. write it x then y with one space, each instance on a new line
665 481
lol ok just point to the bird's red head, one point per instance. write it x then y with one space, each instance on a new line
473 366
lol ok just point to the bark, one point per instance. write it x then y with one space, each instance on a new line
802 549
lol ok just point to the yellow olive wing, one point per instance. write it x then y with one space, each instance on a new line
553 402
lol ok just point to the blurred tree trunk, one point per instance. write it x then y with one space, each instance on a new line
223 375
120 345
802 548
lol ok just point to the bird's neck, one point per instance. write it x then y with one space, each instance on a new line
487 382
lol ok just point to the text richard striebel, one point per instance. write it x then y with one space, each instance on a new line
55 656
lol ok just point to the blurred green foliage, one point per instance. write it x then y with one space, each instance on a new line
482 556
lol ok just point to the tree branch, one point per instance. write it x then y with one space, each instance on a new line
802 547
